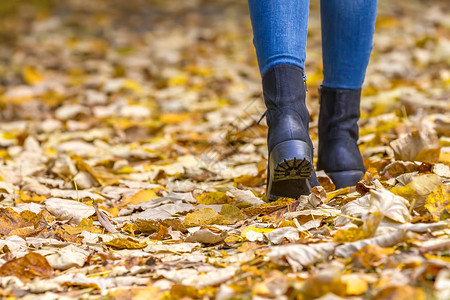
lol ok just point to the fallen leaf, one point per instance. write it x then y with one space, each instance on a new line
103 219
389 205
122 243
419 145
371 256
68 209
300 256
438 202
67 257
85 224
27 267
214 198
204 216
207 235
387 240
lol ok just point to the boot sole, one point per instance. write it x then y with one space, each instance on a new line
290 167
344 179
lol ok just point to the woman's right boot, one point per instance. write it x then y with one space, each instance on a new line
290 172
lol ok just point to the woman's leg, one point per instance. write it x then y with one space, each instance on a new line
279 32
347 38
280 28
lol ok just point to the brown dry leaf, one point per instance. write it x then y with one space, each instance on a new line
23 224
418 145
122 243
27 267
161 234
214 198
204 216
151 226
207 235
438 202
103 177
84 225
103 219
268 208
371 256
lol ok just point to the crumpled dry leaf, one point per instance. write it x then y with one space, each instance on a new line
27 267
387 240
300 256
68 209
67 257
207 235
418 145
23 224
277 236
103 219
389 205
418 189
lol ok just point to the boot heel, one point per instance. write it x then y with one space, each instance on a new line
290 167
345 178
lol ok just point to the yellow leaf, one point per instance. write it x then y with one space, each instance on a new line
31 75
129 243
172 118
132 85
247 180
204 216
140 197
214 198
365 231
255 229
438 202
25 198
84 225
355 284
231 214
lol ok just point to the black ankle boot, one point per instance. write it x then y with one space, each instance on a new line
339 155
290 172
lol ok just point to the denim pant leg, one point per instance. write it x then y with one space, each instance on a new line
347 40
279 31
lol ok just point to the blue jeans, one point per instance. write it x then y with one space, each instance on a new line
280 30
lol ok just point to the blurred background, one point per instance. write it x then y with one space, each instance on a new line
184 73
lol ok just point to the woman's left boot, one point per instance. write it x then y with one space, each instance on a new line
290 172
339 155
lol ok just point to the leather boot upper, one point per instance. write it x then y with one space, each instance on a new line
338 130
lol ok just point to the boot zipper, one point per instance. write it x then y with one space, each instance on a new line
304 81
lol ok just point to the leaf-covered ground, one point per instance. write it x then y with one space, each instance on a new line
132 166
